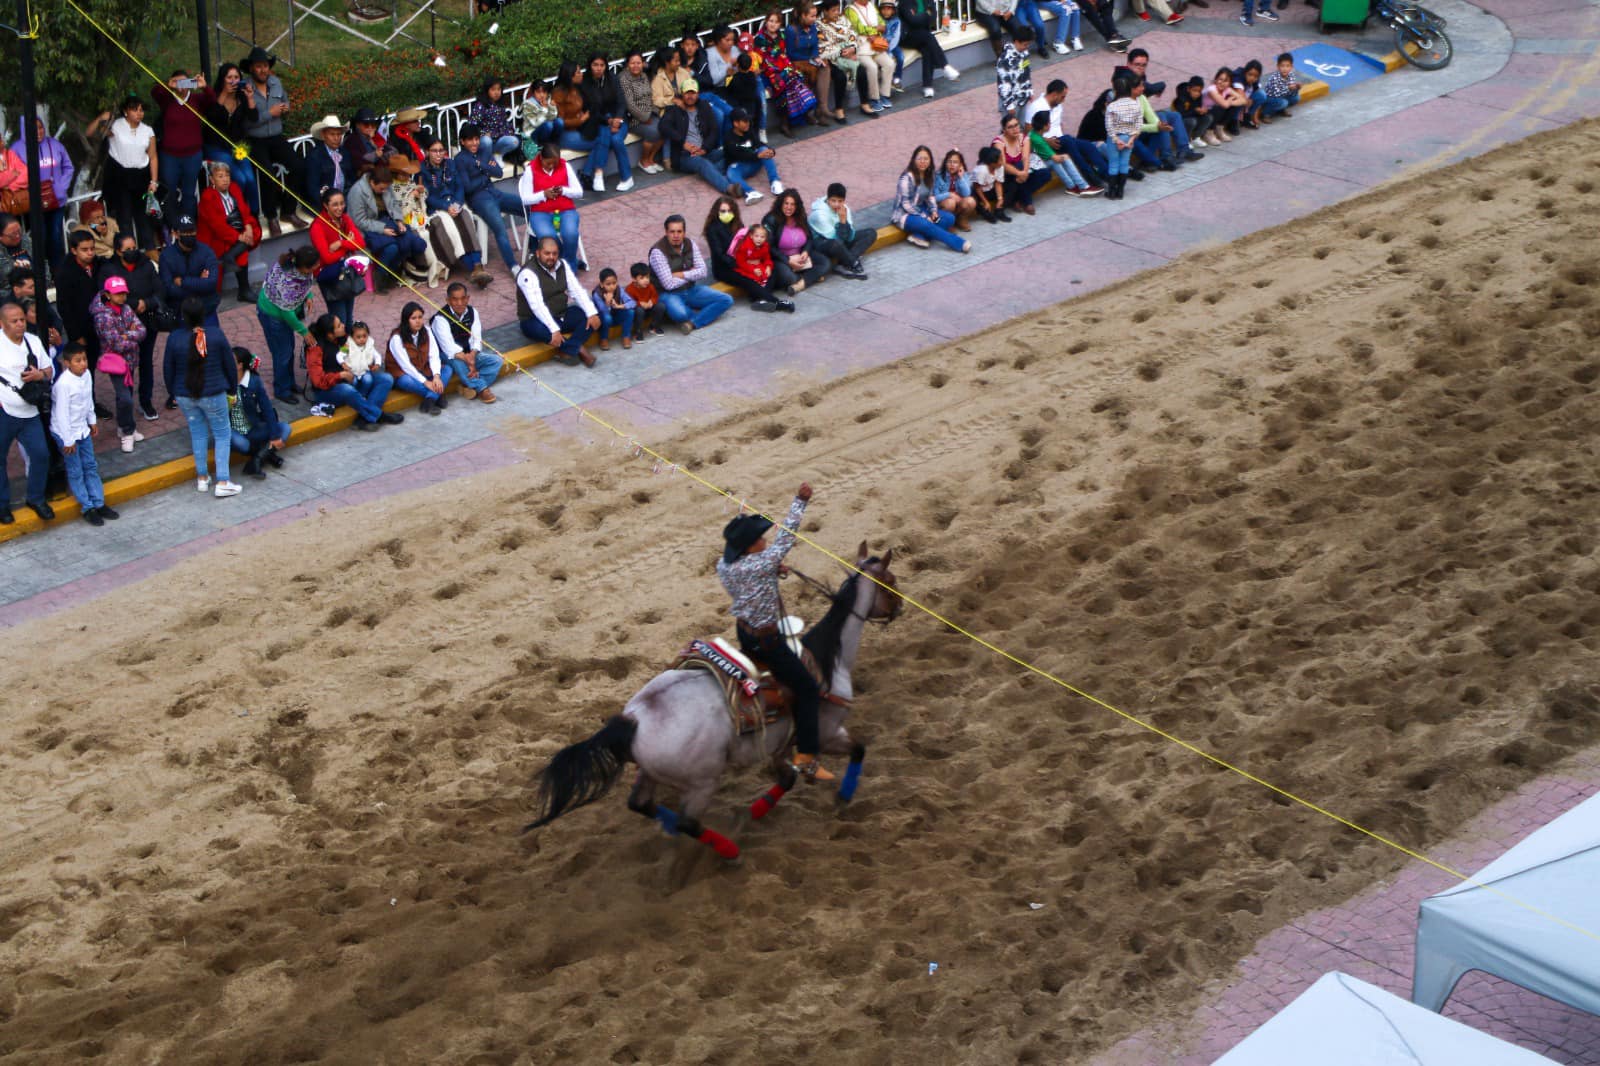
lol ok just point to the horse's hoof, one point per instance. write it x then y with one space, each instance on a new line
736 861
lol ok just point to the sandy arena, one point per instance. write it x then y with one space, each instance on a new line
1333 520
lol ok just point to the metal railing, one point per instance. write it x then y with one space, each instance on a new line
450 117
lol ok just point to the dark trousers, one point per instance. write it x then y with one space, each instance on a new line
786 666
751 288
267 152
574 324
1098 13
848 254
125 188
923 40
1021 192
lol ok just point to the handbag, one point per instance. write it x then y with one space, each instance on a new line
878 42
112 363
15 202
33 393
347 286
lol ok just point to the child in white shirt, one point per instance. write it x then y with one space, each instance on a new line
72 423
360 356
987 186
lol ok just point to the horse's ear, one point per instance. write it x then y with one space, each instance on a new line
862 555
887 557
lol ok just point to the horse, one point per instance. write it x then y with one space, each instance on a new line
678 730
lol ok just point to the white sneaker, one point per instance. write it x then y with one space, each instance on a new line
203 484
228 488
927 92
127 444
752 197
599 182
761 135
1077 44
137 436
652 169
625 186
951 72
1061 48
777 188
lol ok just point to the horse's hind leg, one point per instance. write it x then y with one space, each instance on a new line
642 801
764 803
695 802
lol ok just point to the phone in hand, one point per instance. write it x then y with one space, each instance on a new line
188 83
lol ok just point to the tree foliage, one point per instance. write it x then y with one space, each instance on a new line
79 72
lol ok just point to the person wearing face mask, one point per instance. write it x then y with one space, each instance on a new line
189 268
144 296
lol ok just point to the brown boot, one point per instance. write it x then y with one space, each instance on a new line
487 396
809 768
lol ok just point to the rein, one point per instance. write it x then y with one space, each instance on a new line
831 593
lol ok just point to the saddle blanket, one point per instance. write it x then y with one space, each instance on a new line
754 700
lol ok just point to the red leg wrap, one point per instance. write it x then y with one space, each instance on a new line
719 843
767 800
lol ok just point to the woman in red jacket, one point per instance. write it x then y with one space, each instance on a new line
336 238
228 228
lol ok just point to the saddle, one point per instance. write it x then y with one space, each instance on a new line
755 699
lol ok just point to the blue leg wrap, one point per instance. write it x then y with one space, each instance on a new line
852 777
668 819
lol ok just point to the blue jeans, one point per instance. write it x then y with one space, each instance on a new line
344 309
208 426
407 383
1179 133
610 316
707 167
488 369
182 173
280 342
29 432
605 142
542 224
918 226
738 172
1271 105
574 324
1086 156
1116 158
364 396
1062 167
491 205
509 143
241 443
1069 21
393 251
548 131
1028 15
83 475
244 175
699 305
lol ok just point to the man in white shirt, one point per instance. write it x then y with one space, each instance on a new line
19 420
458 332
553 307
1085 155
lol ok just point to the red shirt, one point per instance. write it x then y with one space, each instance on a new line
181 129
545 181
323 235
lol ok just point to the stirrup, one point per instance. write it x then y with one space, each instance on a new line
809 768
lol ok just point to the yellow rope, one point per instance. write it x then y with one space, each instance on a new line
643 449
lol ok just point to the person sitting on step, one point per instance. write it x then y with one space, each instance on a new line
749 570
458 334
553 308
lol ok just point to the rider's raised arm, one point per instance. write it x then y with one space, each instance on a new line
784 540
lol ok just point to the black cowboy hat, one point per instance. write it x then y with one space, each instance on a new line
259 55
363 114
741 533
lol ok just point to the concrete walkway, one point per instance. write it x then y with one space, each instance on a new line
1495 91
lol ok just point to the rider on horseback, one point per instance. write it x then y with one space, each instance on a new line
749 570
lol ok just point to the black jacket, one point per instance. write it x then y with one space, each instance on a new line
718 237
319 171
258 410
774 226
674 128
746 149
75 293
603 101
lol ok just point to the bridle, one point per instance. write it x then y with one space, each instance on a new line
894 611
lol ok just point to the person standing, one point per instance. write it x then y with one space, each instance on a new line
56 171
72 424
223 134
281 310
121 333
76 290
201 373
749 570
132 171
189 268
183 100
136 271
23 361
269 148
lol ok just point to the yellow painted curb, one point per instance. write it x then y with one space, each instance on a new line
180 471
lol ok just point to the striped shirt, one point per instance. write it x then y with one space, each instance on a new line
1124 118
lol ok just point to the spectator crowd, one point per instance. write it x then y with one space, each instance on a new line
392 204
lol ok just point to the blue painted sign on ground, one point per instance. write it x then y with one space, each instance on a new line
1336 66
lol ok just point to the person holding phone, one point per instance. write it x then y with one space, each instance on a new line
183 100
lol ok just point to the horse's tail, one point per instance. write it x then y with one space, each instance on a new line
583 772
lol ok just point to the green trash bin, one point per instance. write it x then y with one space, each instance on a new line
1344 13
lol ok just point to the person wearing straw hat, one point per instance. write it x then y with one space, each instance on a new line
328 165
749 570
408 136
269 148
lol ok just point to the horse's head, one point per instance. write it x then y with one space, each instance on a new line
876 601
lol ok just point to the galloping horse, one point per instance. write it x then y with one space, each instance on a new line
678 729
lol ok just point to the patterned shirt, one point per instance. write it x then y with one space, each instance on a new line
1277 85
1124 119
752 579
1014 79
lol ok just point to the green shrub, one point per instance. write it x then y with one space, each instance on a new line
537 35
383 81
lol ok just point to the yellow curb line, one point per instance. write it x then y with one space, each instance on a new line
177 471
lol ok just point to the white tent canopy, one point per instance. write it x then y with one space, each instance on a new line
1340 1021
1557 871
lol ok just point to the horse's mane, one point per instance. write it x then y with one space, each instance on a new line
823 639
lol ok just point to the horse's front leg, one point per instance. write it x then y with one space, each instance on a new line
838 742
